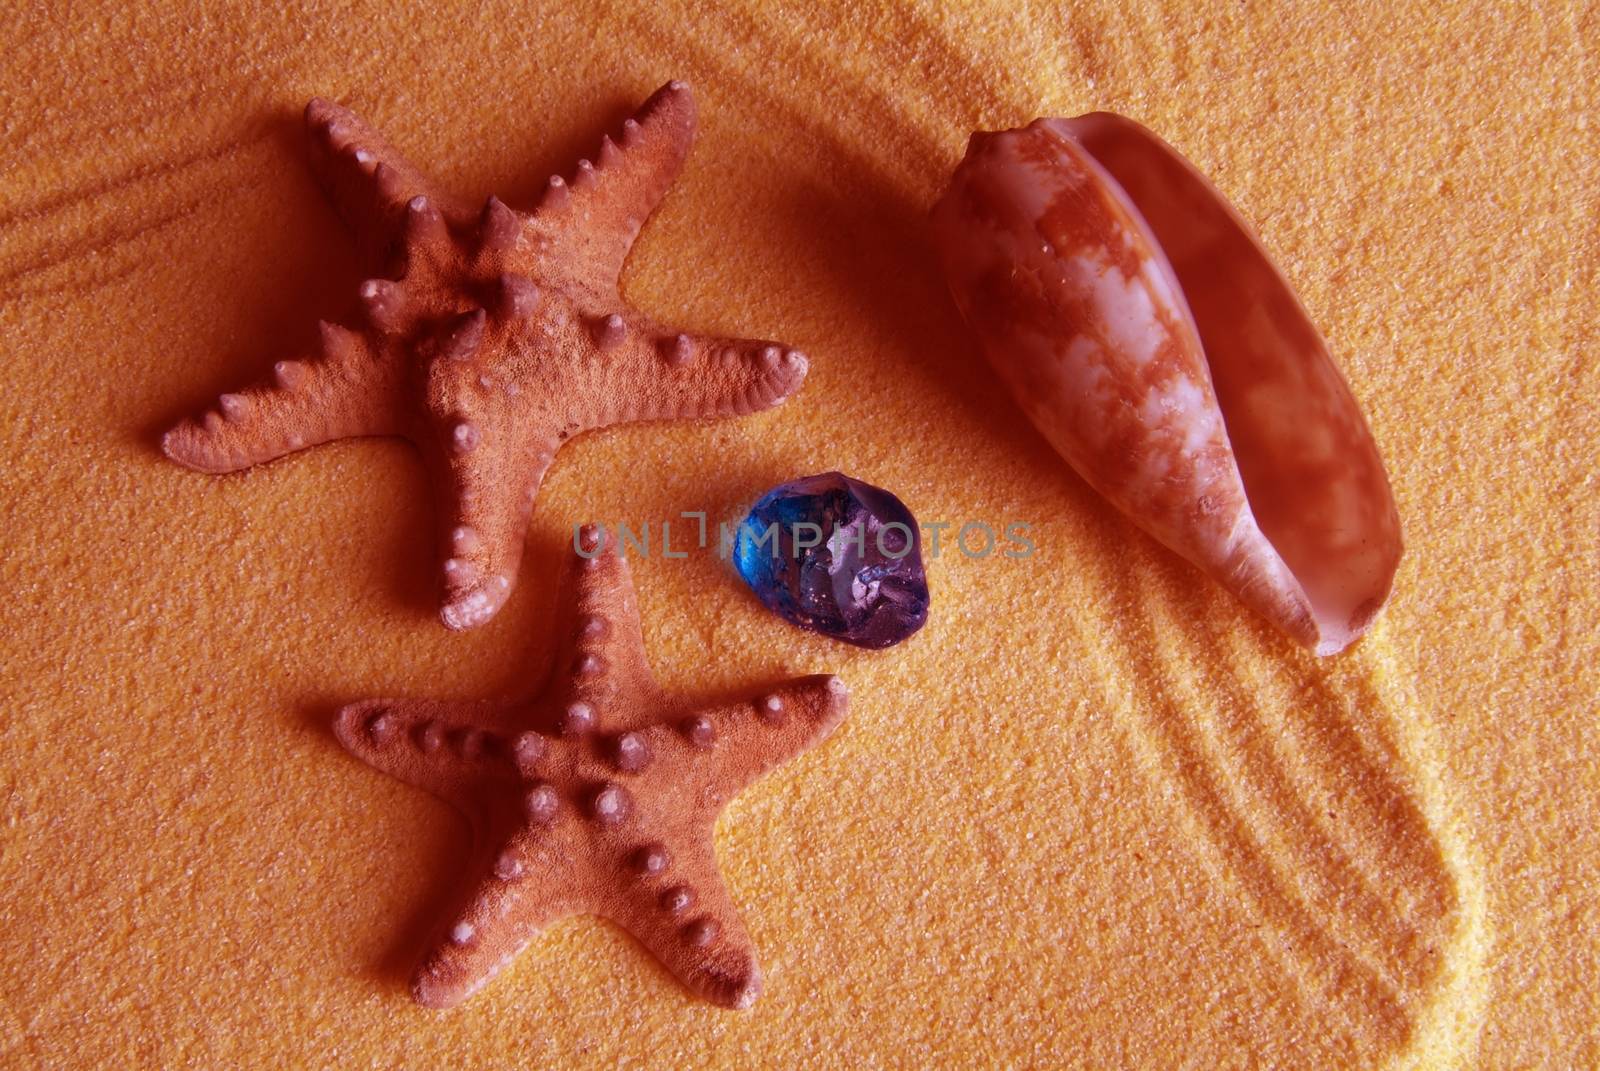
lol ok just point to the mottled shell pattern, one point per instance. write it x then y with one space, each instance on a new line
1137 321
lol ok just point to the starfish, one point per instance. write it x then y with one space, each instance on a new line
498 336
597 795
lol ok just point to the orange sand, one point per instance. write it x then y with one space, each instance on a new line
1094 814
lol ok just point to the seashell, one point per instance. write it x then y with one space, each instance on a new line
1138 322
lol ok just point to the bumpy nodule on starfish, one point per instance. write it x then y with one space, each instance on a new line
596 796
496 336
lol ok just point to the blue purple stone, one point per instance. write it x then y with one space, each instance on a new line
838 556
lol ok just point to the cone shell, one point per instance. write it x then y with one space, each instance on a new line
1139 324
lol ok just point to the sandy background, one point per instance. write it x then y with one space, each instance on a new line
1092 815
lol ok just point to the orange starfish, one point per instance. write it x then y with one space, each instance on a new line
500 336
595 796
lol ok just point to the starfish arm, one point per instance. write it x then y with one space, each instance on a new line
348 391
490 488
641 372
368 181
596 216
601 648
447 748
523 886
688 921
745 740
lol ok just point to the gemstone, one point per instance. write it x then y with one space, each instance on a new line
838 556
